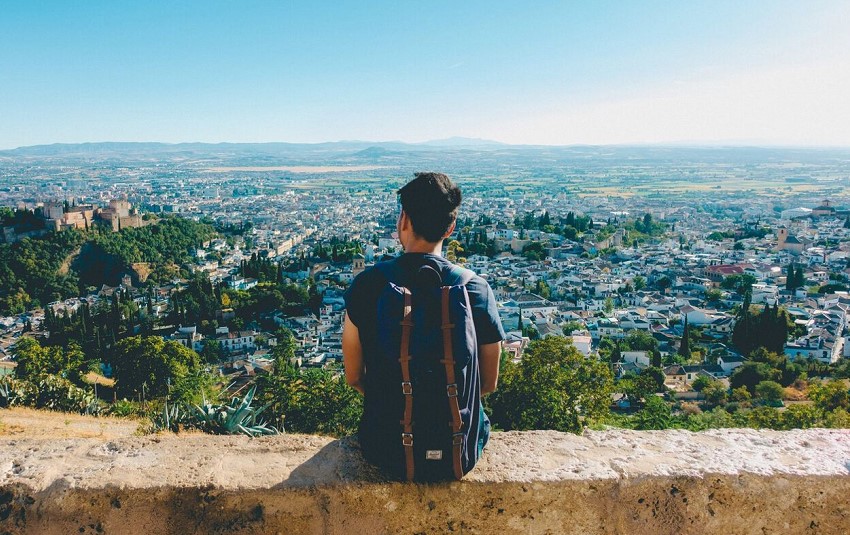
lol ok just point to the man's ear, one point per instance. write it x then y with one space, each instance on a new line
404 221
449 232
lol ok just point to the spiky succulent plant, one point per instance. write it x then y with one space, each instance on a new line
236 417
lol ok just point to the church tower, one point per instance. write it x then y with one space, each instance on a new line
781 236
358 264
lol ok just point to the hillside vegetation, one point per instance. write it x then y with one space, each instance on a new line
34 271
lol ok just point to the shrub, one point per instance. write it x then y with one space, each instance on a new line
655 415
801 417
769 391
764 418
59 394
48 392
837 419
716 418
15 392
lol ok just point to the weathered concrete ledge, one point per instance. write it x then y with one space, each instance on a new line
625 482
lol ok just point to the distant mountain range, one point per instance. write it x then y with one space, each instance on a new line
392 152
132 147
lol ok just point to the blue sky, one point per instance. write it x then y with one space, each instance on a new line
768 72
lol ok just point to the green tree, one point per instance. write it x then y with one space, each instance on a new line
657 376
801 417
741 394
656 414
211 353
570 327
151 363
553 387
637 388
534 251
638 340
717 418
685 344
790 278
701 382
452 249
542 289
770 391
752 373
314 400
35 361
830 395
713 296
799 278
639 283
715 393
284 351
765 418
742 283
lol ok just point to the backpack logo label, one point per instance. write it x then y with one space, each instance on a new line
434 455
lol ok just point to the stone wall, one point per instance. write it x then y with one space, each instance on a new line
624 482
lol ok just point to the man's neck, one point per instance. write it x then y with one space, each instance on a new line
422 246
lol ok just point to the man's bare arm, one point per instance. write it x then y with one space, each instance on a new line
352 355
488 357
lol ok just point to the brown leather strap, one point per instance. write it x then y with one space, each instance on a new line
451 385
406 385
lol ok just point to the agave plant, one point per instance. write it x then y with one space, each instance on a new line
237 417
7 394
172 418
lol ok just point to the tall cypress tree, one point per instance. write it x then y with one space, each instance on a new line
790 277
742 333
799 278
685 345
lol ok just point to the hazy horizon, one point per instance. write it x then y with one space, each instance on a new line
708 144
704 73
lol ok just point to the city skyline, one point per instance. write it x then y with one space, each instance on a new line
762 73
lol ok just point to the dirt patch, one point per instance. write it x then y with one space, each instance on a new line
66 264
30 423
142 270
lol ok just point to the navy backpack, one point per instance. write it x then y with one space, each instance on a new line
422 414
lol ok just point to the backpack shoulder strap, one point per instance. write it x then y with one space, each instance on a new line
452 391
459 276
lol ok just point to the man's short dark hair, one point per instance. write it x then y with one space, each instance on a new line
431 201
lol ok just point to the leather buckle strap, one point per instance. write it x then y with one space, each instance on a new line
451 390
406 385
457 439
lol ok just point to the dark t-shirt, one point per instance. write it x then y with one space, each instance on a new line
361 299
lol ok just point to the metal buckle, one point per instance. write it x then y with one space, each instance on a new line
451 390
406 388
457 439
407 439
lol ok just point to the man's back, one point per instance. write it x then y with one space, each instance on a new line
376 311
